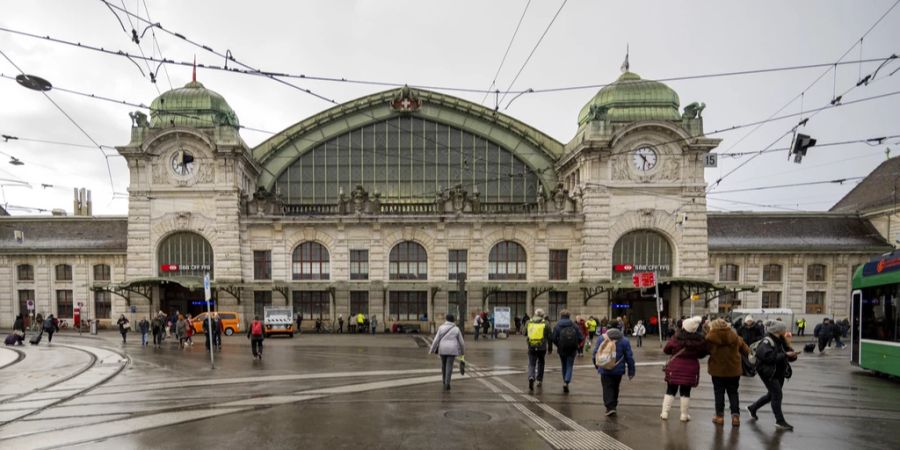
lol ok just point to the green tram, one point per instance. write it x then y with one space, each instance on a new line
875 316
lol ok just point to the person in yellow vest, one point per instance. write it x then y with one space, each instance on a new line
801 326
592 328
360 323
537 334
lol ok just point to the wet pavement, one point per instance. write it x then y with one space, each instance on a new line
343 391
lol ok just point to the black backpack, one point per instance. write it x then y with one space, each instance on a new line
568 339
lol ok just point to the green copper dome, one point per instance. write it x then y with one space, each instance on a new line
632 99
191 106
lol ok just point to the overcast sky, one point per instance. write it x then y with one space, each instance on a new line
457 44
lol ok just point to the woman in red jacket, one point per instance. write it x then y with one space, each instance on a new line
582 325
687 346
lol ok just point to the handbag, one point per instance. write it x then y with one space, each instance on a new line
665 367
462 365
747 369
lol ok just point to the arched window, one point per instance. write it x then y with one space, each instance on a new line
772 272
25 272
507 261
63 272
408 261
185 254
729 272
310 262
101 272
642 251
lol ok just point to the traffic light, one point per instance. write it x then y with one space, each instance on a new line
801 143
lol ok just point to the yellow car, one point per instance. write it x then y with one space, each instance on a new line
231 322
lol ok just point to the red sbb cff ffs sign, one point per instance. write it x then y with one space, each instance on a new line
169 267
644 279
623 268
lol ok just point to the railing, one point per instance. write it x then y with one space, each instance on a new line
310 209
509 208
406 209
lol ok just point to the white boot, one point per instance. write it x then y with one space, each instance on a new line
667 405
685 404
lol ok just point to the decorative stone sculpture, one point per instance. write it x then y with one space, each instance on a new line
138 120
693 111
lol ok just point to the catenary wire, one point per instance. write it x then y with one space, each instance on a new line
505 54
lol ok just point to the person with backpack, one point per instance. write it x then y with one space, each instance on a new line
682 370
50 326
537 334
144 328
639 331
725 368
566 337
824 332
256 336
612 355
448 343
773 356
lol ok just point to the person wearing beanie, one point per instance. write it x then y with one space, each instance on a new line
448 343
611 378
774 356
725 368
751 331
537 335
682 371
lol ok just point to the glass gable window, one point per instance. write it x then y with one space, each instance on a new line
185 254
458 260
25 272
772 272
262 264
407 159
507 261
408 261
645 251
359 264
310 262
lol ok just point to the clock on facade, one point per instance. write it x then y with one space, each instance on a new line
644 159
183 163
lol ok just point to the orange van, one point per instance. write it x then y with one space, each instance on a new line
231 321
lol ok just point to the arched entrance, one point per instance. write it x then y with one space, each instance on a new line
640 251
184 258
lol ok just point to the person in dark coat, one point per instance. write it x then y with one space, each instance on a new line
774 356
50 326
566 342
19 329
751 331
144 328
824 332
611 379
123 327
725 367
537 335
687 346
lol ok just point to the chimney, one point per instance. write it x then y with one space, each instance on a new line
76 206
90 205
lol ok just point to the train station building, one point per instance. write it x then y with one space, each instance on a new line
407 204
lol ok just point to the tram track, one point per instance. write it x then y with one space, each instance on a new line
19 358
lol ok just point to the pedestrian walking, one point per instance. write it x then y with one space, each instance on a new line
751 331
476 323
374 323
144 328
566 337
725 368
256 336
774 356
123 326
208 330
582 327
682 371
615 357
591 324
639 331
50 326
299 323
824 332
181 331
839 331
218 331
189 330
18 334
156 328
537 334
341 323
448 343
485 324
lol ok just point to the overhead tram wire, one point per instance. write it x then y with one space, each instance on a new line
822 75
165 67
533 50
871 141
136 40
505 54
72 120
791 185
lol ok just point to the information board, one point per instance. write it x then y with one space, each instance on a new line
501 317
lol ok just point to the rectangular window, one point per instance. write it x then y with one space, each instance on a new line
311 304
729 301
102 305
558 302
24 296
458 263
559 264
772 272
25 272
815 302
815 272
359 264
771 299
359 303
63 272
515 300
409 305
261 299
101 272
262 265
64 303
728 272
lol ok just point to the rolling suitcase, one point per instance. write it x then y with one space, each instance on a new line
809 348
11 339
36 339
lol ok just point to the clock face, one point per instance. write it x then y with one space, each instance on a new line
183 163
644 159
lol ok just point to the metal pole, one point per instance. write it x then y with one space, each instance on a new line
209 326
658 307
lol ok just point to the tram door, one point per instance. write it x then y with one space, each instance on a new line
855 326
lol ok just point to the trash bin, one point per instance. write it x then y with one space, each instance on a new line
94 326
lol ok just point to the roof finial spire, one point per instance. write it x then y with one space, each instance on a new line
625 65
194 73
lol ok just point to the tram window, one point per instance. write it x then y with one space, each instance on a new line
880 315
